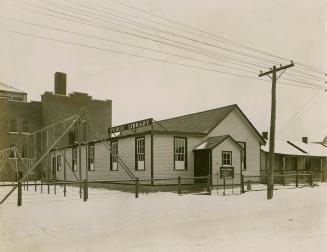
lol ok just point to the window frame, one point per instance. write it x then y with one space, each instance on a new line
89 158
114 155
10 126
231 158
28 127
74 161
139 154
185 153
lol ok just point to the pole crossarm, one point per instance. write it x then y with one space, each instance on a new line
276 69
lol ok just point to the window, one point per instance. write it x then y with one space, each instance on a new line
74 159
91 157
114 156
24 151
13 126
58 163
243 158
12 152
71 137
25 126
139 153
227 158
180 153
84 130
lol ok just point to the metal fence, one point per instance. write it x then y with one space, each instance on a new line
33 192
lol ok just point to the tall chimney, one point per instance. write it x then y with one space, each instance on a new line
265 135
305 140
60 83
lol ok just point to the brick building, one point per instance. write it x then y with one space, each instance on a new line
19 118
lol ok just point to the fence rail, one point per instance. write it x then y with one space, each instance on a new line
30 191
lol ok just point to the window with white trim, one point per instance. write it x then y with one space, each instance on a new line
25 126
59 163
74 159
13 126
91 157
227 158
180 153
114 156
140 153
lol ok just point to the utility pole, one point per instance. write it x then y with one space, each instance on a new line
271 157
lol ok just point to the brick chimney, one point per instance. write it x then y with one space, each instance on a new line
60 83
265 135
305 140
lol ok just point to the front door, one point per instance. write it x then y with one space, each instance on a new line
201 164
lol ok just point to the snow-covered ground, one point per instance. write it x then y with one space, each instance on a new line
295 220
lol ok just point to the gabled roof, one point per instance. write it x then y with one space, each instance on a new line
5 87
213 142
201 122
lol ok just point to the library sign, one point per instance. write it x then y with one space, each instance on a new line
130 126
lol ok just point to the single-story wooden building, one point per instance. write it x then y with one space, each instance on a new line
301 157
218 140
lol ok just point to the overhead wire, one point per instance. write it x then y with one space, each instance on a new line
281 130
142 25
149 58
308 67
155 41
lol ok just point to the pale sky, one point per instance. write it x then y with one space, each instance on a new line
141 88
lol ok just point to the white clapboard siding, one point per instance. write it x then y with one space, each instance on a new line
227 145
164 158
238 128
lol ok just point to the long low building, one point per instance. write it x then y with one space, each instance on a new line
301 157
221 140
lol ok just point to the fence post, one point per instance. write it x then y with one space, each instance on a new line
55 189
296 178
27 185
209 184
136 187
248 185
224 184
179 185
48 187
242 183
19 199
86 191
41 186
35 186
65 189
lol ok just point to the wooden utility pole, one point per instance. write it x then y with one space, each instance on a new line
270 174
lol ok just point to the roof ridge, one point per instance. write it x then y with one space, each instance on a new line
8 86
181 116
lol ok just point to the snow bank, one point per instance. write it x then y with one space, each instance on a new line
295 220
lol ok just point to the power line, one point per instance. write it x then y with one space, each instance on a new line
94 24
310 68
140 47
77 11
129 22
148 58
131 45
299 113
